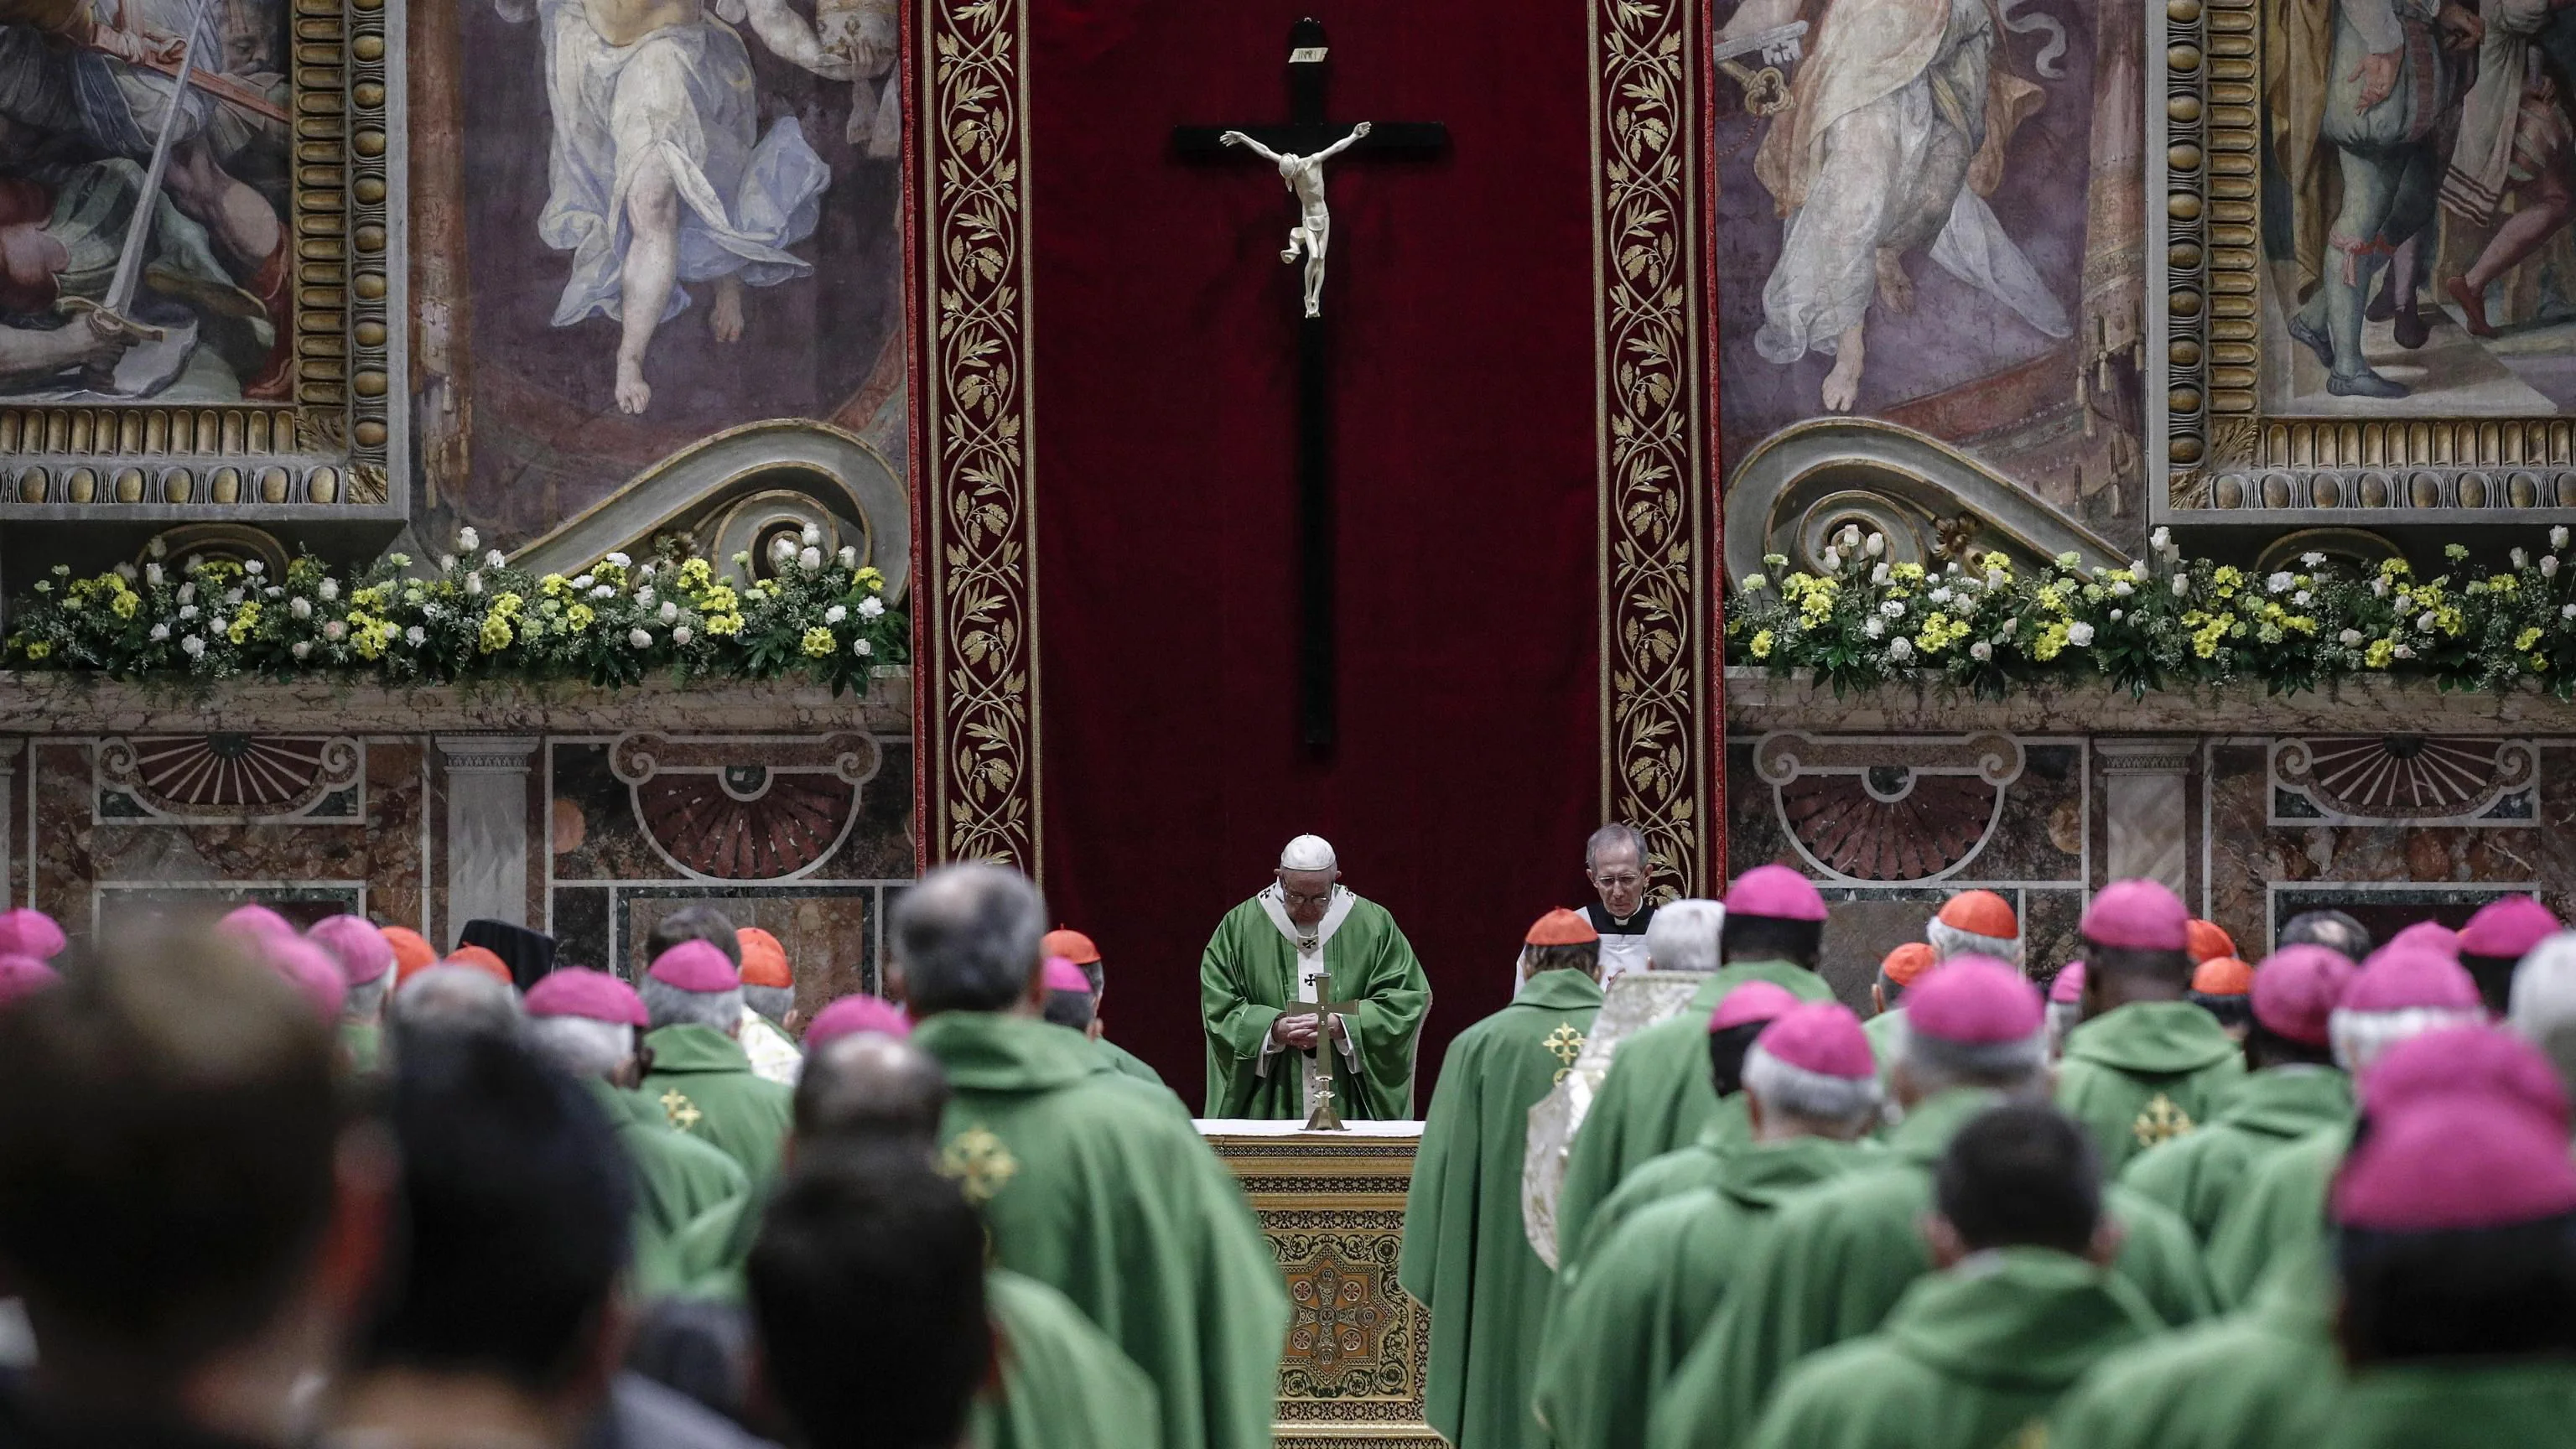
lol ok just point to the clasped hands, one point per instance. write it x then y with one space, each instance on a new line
1301 1031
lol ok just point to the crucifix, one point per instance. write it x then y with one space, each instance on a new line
1299 149
1319 1058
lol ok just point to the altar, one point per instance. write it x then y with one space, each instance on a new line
1333 1205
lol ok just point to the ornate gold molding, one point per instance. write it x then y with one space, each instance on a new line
1659 706
338 442
977 590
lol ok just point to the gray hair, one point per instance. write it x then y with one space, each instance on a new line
773 1002
583 1046
1614 833
2543 1005
1947 940
454 999
1683 936
667 1005
1816 1097
1936 1064
967 937
2360 1037
366 999
2063 1017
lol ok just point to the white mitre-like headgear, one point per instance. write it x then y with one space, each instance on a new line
1309 852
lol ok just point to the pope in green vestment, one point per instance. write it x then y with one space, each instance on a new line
1973 1357
2199 1175
1657 1095
703 1082
1840 1256
677 1179
1264 957
1466 1255
1090 1185
2144 1073
1648 1286
1063 1384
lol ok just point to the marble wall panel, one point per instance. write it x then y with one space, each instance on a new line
831 933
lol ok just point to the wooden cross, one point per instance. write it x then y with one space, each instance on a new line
1305 133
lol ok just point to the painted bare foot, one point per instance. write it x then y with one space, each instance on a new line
1842 385
726 316
1894 287
634 394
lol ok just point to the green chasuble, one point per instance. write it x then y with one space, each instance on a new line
1657 1095
702 1081
677 1181
2146 1073
1127 1062
1649 1286
1840 1255
1886 1033
363 1044
2450 1405
1971 1358
2199 1175
1064 1385
1466 1255
1093 1186
1684 1169
1252 970
2256 1379
2278 1213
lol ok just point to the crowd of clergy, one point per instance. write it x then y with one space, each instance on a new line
265 1186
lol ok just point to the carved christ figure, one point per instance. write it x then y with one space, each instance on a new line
1305 178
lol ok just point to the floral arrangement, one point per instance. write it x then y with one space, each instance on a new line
2162 619
819 615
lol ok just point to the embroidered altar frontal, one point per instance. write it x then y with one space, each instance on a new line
1333 1205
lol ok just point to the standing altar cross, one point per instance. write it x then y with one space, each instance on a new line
1299 150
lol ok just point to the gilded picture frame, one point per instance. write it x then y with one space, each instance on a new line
301 105
2254 425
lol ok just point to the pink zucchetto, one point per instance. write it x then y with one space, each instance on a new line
2137 915
852 1015
2296 990
28 932
695 966
1821 1037
580 991
1063 975
362 951
1972 1001
2452 1164
1751 1002
24 976
2505 929
2484 1063
2066 988
249 923
1775 892
2432 934
310 970
2399 978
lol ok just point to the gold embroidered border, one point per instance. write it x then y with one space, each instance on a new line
336 442
975 588
1659 706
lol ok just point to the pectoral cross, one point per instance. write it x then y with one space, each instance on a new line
1298 149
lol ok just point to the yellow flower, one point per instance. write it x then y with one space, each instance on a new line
2379 654
578 617
870 577
2447 619
1761 645
496 633
242 622
2050 643
553 586
125 605
2526 639
718 600
507 606
1939 632
39 650
818 643
695 574
724 624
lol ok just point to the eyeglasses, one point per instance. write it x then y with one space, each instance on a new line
1608 880
1306 898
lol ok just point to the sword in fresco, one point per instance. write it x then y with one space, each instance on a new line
110 313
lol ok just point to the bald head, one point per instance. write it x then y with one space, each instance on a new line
870 1087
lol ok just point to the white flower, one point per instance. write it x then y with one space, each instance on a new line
187 591
162 631
1876 545
869 608
781 547
152 574
2116 615
192 646
2349 637
434 613
603 591
2311 560
862 648
2137 568
187 612
2425 621
1994 578
835 614
2079 634
2302 598
300 648
447 563
1873 626
681 636
2549 565
2160 540
473 584
300 607
1849 537
156 548
254 568
272 592
329 590
2405 602
2520 559
1981 651
415 636
812 534
645 596
620 559
2404 651
640 638
1833 558
583 581
811 558
2181 585
670 612
1900 649
2558 537
1952 568
467 540
2379 588
1893 608
1755 583
1878 575
335 630
849 556
494 559
2281 583
1941 595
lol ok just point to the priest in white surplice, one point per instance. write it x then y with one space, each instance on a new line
1308 938
1894 136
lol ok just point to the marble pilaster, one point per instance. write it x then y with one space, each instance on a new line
2147 798
486 828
